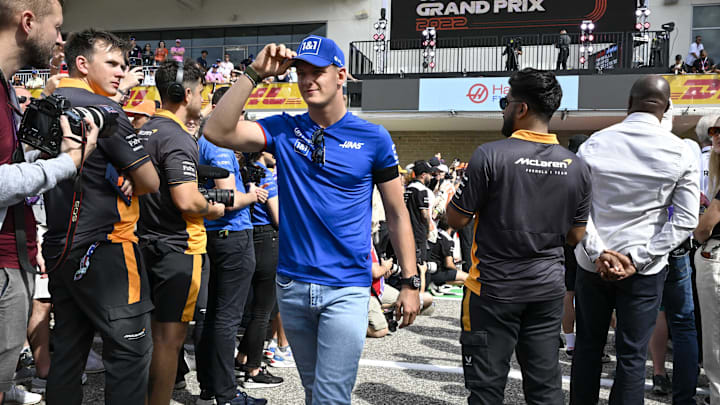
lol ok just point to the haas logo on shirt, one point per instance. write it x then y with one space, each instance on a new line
352 145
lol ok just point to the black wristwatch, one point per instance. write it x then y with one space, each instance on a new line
413 282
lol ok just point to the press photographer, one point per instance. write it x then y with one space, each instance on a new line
232 265
28 32
97 281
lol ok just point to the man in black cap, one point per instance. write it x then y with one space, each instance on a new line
418 200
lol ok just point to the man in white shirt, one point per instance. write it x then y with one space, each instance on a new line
226 67
35 82
706 126
623 258
694 52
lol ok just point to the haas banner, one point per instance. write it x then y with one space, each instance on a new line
454 19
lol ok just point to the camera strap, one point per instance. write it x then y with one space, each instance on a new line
74 208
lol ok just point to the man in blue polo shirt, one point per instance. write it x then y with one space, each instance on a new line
327 163
232 265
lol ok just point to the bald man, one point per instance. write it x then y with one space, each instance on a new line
639 170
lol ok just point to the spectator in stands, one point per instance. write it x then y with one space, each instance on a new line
226 67
134 53
623 259
214 75
140 113
202 60
524 212
234 75
35 82
147 55
703 64
563 45
679 67
161 53
694 52
17 81
178 51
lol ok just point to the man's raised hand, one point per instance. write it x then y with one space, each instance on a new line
273 60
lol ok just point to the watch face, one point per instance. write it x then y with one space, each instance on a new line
416 282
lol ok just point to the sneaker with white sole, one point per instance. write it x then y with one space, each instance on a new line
282 359
263 379
16 395
94 363
269 351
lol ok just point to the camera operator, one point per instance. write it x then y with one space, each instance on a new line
96 282
265 219
563 44
172 231
29 31
231 252
513 49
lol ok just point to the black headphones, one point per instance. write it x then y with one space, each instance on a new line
176 91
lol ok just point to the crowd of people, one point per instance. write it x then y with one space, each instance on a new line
696 61
188 214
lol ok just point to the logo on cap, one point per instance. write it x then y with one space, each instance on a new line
310 46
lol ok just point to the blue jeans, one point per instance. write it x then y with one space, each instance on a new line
326 328
680 313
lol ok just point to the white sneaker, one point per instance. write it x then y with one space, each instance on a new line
94 363
282 359
18 396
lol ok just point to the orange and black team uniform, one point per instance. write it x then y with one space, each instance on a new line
173 243
102 285
526 193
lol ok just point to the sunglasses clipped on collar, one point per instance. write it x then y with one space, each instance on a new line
318 140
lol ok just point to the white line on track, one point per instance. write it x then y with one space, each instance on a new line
514 374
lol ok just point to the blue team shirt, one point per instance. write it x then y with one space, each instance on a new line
325 211
212 155
260 215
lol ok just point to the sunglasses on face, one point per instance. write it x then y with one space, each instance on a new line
318 140
505 102
712 131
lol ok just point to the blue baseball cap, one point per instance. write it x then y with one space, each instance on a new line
34 71
320 52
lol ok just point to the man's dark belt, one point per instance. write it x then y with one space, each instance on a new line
221 234
263 228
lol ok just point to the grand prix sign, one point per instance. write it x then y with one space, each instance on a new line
506 17
694 89
481 94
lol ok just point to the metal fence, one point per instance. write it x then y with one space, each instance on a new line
611 51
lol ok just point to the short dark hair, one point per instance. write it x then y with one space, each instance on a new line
9 8
83 44
539 89
204 51
166 74
678 57
219 93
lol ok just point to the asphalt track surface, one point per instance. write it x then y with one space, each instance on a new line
416 365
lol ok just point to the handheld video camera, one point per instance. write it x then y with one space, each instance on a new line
40 126
205 173
251 173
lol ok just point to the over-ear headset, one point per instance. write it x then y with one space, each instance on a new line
176 91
